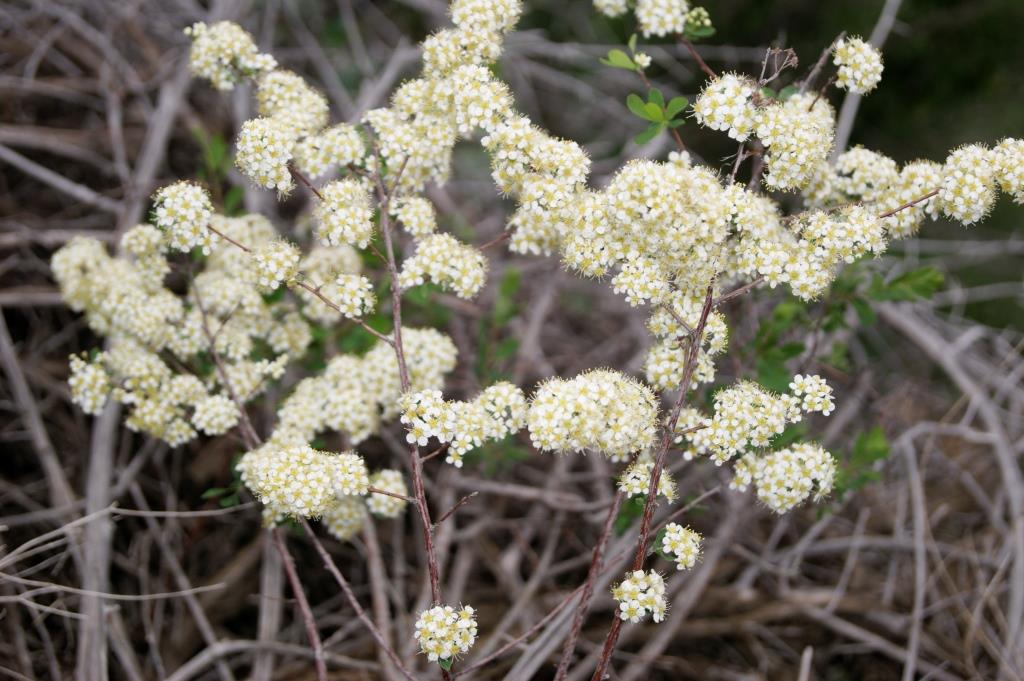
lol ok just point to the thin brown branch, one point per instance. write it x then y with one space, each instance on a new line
696 56
304 609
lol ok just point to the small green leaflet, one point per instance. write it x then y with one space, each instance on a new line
619 60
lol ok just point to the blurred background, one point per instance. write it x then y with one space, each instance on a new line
915 568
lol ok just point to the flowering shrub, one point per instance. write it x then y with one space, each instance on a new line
675 237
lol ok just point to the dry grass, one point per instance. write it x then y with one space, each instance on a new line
111 559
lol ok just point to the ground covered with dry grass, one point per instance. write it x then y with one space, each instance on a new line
153 558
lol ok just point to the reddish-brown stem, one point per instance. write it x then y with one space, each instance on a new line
384 199
504 236
908 204
437 452
818 65
315 290
302 178
304 609
735 293
667 437
522 637
252 439
588 589
459 504
396 495
696 56
352 600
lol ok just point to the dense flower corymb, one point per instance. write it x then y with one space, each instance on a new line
444 632
683 544
860 65
601 410
344 215
641 593
786 478
224 53
183 210
263 150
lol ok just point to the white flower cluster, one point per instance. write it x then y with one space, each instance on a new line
286 97
354 394
338 145
814 392
275 262
798 137
215 415
445 633
455 94
224 54
323 267
544 173
786 478
353 294
671 323
727 104
749 416
301 481
683 544
1009 167
494 414
641 593
602 410
344 517
636 481
183 211
661 17
449 263
416 214
915 180
863 175
147 325
611 8
860 65
381 504
968 189
90 385
344 216
263 151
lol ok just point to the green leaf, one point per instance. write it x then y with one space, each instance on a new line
637 106
629 512
870 447
920 283
619 60
230 500
675 105
233 201
632 43
213 493
791 350
650 133
787 92
773 374
654 112
655 97
865 312
768 92
839 357
698 32
676 123
446 663
834 315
